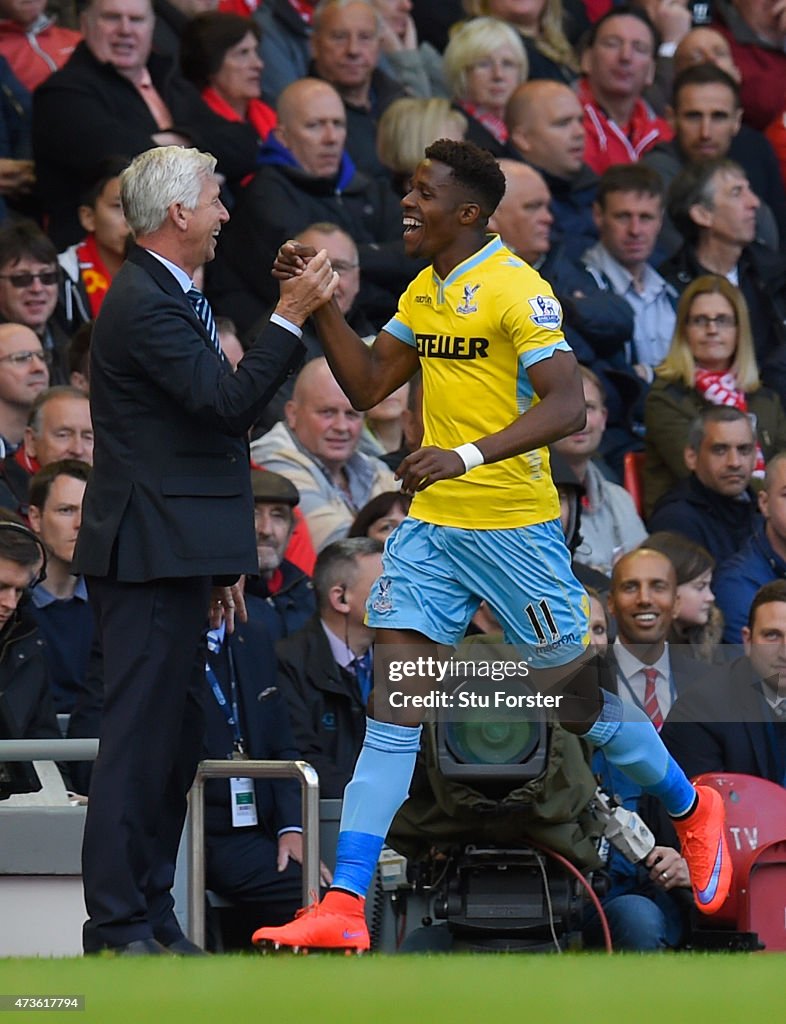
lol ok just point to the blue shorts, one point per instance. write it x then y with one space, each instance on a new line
434 577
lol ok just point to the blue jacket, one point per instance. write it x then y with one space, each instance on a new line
719 524
736 581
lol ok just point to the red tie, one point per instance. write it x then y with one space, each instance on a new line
651 706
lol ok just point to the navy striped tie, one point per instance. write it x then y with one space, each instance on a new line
205 314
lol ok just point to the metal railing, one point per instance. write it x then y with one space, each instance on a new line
48 750
309 789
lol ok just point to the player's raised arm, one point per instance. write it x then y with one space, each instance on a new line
367 374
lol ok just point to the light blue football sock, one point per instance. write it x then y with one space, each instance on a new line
379 786
630 741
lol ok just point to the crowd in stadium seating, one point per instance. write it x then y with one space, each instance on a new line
644 149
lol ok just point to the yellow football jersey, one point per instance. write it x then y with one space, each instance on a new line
477 333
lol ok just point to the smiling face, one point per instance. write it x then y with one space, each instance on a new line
642 598
28 302
321 417
204 224
711 332
432 210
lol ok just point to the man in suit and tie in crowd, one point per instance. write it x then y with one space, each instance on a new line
641 905
168 515
736 722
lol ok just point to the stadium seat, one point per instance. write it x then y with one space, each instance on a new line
632 478
756 835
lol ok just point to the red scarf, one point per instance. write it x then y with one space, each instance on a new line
259 115
720 388
489 121
95 277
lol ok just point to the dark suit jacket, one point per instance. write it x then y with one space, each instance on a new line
720 725
325 707
684 669
170 491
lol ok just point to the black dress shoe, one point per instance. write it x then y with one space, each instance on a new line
142 947
185 947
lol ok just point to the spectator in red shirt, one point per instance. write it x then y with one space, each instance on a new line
32 43
618 65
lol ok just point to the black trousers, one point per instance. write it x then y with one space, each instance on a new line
151 737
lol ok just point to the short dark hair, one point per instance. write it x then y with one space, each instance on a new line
78 352
376 509
337 564
24 239
18 546
205 41
693 186
770 593
624 11
105 171
636 178
474 169
715 414
41 482
688 558
704 74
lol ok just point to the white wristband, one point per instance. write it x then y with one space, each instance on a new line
470 455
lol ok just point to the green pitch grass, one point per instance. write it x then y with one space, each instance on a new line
451 989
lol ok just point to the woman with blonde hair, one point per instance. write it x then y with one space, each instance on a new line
483 63
540 23
408 126
711 362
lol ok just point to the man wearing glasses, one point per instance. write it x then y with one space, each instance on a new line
24 374
29 278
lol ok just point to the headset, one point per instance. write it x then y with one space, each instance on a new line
25 531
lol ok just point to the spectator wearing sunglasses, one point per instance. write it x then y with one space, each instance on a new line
29 277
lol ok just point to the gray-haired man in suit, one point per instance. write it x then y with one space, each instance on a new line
168 513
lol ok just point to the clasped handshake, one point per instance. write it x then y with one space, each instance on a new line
306 278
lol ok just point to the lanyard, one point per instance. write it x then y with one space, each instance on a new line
672 690
232 714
